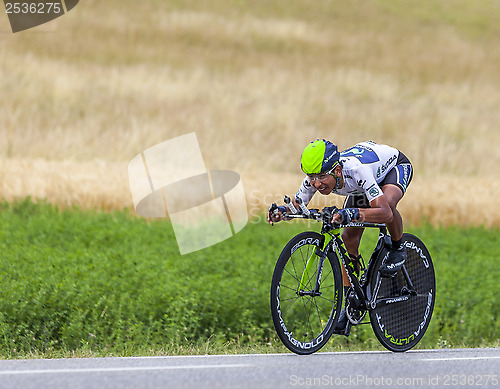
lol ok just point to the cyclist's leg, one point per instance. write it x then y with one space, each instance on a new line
394 187
352 238
394 194
352 235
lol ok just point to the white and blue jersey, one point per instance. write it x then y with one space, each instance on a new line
366 167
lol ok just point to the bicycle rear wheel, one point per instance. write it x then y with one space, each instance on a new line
303 304
401 317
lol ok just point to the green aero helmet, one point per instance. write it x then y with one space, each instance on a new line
319 156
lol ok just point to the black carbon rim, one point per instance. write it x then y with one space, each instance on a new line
304 322
401 325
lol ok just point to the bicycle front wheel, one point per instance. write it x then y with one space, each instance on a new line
406 301
306 294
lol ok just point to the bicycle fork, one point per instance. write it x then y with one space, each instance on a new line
305 278
305 274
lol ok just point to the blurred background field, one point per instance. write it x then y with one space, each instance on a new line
256 81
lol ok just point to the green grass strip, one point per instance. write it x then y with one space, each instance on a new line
87 283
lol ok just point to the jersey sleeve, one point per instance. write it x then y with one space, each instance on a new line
306 191
373 191
366 182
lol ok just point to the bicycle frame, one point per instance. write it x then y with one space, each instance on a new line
360 284
334 243
338 247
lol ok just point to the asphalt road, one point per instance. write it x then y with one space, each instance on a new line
462 368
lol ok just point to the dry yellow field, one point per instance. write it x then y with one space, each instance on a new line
256 81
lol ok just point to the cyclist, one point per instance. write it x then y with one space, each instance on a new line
374 177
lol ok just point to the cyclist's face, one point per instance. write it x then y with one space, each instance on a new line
323 182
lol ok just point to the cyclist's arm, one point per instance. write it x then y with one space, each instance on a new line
379 211
305 192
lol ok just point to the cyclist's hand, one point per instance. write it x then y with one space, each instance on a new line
329 213
275 213
346 215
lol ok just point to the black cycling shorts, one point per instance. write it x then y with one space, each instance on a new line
400 175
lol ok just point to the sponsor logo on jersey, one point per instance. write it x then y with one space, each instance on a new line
373 192
363 153
381 170
404 173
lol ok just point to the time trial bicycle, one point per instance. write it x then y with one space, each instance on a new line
307 288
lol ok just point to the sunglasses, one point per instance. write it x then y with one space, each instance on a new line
321 177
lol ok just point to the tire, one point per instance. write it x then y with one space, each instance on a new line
399 326
304 323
